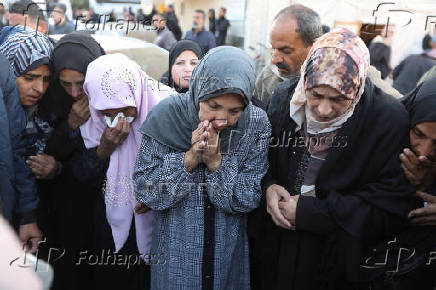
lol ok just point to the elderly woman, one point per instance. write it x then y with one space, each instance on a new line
419 165
335 187
419 161
119 101
202 157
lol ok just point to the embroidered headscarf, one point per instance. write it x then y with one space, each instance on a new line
114 81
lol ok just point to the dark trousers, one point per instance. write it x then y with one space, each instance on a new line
123 270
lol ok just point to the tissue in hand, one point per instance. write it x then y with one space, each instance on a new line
113 124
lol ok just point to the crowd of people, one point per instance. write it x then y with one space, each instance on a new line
166 24
302 177
168 29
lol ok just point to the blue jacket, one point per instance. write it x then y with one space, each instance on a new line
17 186
6 31
204 38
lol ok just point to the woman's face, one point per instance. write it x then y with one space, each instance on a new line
33 85
423 140
182 68
72 82
222 111
326 103
127 111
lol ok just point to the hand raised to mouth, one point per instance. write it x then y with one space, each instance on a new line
205 148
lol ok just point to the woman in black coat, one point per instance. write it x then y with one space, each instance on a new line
68 201
334 171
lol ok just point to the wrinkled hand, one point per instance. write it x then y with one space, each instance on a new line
289 208
420 171
198 140
112 138
141 208
424 216
211 156
43 166
79 113
30 234
205 148
275 194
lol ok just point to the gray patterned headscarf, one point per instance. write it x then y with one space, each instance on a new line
223 70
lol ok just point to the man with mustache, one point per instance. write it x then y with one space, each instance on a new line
199 34
164 37
294 30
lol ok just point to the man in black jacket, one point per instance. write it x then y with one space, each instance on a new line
410 70
222 26
212 21
173 22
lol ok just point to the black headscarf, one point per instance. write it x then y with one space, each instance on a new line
74 51
175 51
426 42
421 103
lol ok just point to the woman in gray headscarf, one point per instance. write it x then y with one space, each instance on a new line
202 158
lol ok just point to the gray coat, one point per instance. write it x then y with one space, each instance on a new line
200 230
165 39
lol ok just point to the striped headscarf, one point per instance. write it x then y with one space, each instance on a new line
26 50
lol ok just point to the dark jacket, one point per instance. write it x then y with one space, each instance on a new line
362 196
212 24
65 28
410 70
82 173
69 201
8 30
173 25
380 58
204 38
17 186
221 26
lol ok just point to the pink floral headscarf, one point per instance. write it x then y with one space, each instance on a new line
339 59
